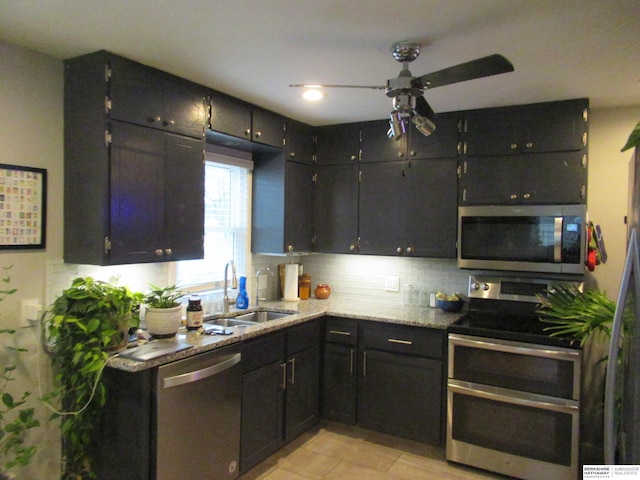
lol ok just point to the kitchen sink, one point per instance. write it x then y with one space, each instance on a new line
230 322
262 316
248 319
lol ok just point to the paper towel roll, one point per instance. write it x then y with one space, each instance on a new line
291 283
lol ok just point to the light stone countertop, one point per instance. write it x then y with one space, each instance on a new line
302 311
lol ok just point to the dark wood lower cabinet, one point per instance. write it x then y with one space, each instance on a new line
280 390
339 383
303 392
385 377
401 395
262 410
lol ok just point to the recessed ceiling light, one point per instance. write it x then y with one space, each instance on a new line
313 94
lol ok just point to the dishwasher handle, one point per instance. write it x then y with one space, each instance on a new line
201 374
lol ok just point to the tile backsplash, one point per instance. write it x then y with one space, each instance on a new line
361 277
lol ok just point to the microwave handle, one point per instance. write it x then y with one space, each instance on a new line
557 239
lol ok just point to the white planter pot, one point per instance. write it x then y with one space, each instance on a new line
163 322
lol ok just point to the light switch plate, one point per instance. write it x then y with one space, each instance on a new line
391 284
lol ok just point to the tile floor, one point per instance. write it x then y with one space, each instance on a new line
332 451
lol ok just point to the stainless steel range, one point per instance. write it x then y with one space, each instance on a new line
513 392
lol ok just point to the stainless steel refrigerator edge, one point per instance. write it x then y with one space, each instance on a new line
623 447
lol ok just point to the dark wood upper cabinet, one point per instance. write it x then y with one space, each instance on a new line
152 98
409 208
376 146
299 146
543 178
442 143
282 213
534 128
229 115
268 128
134 190
338 144
335 209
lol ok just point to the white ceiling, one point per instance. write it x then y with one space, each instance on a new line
253 49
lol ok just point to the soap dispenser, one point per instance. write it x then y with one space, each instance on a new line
242 301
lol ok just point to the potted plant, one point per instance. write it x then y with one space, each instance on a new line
86 323
575 313
163 313
15 417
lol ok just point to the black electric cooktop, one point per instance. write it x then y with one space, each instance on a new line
508 325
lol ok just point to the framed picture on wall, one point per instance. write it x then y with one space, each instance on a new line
23 208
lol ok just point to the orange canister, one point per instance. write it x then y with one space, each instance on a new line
322 291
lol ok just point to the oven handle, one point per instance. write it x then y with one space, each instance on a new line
513 347
514 397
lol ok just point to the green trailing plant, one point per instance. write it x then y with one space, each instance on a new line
87 322
633 140
163 297
15 417
575 313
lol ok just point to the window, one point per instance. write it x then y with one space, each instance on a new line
226 212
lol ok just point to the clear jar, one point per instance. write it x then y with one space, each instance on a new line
424 296
411 295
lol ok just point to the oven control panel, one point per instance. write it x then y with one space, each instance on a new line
508 288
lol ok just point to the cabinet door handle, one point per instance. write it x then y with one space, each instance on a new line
402 342
258 134
513 146
293 371
284 375
364 364
338 332
351 361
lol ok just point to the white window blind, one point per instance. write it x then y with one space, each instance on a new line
226 212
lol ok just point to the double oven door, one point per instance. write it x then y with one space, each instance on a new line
513 407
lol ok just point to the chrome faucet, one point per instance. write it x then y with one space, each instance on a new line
234 284
262 270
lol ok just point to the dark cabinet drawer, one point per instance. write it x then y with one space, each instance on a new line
262 351
341 330
424 342
303 336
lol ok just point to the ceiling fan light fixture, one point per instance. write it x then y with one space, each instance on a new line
396 126
424 125
313 94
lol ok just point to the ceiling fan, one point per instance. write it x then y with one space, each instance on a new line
407 91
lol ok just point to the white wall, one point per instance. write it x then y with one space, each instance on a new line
608 185
31 90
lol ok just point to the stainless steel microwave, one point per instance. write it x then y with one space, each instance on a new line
526 238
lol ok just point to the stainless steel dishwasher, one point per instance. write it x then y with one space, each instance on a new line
198 417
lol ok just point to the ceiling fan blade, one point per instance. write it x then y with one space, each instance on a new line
482 67
336 86
424 109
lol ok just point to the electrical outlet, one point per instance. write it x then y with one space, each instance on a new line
391 284
30 311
